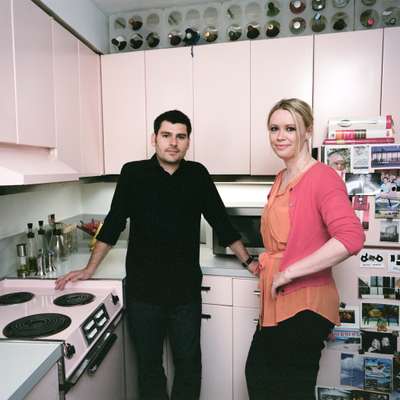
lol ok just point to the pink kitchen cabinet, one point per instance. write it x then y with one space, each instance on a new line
347 77
66 85
221 79
124 109
90 112
169 86
280 68
8 117
391 76
34 75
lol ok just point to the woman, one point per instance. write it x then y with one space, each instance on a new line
308 226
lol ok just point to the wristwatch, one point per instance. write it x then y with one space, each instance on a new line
248 262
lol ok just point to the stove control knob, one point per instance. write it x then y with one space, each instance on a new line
115 299
69 350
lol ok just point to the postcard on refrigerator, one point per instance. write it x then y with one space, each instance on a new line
378 342
360 159
352 370
371 259
349 317
394 262
378 374
381 316
344 339
385 156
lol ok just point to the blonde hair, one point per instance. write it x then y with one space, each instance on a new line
298 109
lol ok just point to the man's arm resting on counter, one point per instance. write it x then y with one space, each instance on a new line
242 254
100 250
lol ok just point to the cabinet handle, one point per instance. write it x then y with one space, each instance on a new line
205 316
255 321
205 288
256 292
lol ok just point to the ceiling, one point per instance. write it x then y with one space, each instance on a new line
110 7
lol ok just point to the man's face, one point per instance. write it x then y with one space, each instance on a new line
171 143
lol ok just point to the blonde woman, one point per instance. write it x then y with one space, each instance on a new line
308 226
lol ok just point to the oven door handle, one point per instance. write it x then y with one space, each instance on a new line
101 353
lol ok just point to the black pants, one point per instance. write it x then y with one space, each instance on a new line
283 360
149 325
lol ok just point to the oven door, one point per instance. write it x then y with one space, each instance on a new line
101 374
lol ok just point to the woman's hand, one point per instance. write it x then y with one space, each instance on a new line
73 276
280 279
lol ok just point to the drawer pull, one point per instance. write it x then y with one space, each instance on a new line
255 321
205 288
205 316
256 292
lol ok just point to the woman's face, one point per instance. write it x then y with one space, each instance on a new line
284 138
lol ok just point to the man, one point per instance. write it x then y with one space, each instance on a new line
164 198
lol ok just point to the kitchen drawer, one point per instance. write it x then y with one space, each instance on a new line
216 290
246 293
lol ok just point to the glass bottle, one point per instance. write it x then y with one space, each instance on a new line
297 25
273 29
191 36
272 9
41 238
136 41
51 219
390 16
135 22
234 32
340 3
318 23
210 34
175 38
253 30
318 5
119 42
31 249
369 18
57 245
22 267
297 6
153 39
340 21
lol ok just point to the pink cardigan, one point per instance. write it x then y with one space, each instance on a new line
319 209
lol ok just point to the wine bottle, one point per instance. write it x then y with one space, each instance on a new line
339 21
234 32
175 38
340 3
119 42
297 6
253 30
153 39
368 3
210 34
136 41
369 18
135 22
297 25
272 9
191 37
318 23
273 29
390 16
120 23
318 5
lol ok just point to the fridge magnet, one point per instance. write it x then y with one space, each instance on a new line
352 370
371 259
342 339
378 374
350 317
378 342
385 156
396 373
367 184
329 393
390 179
339 158
389 231
382 287
360 159
361 209
394 262
387 205
379 316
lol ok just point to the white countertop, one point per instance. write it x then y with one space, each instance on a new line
23 364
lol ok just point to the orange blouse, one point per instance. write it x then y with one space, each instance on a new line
275 226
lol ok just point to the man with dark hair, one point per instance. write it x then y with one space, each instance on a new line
164 198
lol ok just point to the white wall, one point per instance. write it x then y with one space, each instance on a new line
85 18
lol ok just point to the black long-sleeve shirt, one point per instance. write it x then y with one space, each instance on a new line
162 262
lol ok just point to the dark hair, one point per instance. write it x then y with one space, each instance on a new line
175 117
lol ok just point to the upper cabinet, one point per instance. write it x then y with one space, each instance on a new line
8 130
280 68
34 75
90 112
169 86
221 90
66 85
124 112
347 77
391 75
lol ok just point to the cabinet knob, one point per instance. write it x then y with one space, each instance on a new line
205 288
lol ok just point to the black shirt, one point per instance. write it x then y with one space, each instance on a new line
162 262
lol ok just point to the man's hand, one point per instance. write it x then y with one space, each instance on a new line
73 276
254 267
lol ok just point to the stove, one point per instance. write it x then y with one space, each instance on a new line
31 309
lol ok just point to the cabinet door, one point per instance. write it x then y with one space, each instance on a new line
8 117
216 347
34 75
221 81
66 85
347 77
244 325
90 115
169 86
280 69
391 76
124 111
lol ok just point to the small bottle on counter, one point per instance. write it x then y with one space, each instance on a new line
22 267
31 250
